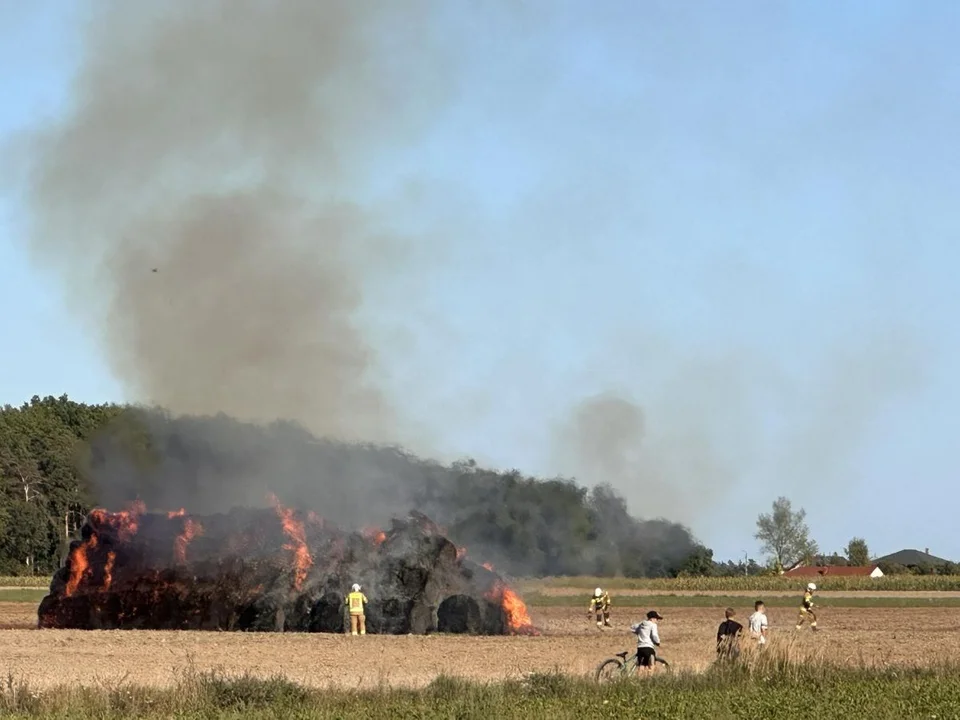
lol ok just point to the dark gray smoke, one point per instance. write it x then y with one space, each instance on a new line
215 463
206 198
221 200
524 525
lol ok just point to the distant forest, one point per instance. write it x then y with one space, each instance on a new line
60 458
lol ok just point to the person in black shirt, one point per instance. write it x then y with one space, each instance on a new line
728 637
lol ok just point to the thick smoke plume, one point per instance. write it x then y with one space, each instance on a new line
225 202
205 198
209 200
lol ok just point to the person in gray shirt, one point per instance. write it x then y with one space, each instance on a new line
648 639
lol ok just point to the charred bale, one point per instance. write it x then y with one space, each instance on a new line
248 571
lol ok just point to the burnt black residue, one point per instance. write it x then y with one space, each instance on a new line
239 573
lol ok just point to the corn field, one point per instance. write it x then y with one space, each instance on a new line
25 581
759 583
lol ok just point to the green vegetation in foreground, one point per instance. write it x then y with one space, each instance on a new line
536 599
753 583
30 581
23 595
741 692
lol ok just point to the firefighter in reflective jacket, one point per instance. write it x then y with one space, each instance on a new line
600 606
355 601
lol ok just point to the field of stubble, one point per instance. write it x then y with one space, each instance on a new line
569 643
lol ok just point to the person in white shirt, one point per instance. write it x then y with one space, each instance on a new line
758 623
648 640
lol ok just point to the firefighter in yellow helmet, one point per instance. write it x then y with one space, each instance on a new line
600 607
806 608
355 602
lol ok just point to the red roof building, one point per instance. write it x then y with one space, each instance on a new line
815 571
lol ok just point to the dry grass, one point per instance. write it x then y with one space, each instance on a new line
864 660
772 686
570 644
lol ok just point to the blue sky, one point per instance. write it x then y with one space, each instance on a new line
741 217
53 355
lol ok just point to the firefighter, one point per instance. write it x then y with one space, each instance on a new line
355 602
806 609
600 607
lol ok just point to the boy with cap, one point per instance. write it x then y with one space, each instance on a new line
648 640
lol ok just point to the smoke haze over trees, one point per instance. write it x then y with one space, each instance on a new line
59 458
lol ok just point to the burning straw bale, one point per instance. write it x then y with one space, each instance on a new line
272 570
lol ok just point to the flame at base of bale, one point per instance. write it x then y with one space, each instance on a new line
268 570
516 616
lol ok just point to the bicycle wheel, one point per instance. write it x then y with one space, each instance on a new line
609 670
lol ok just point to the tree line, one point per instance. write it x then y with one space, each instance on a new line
44 497
785 538
60 458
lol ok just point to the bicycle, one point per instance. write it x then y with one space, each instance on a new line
621 666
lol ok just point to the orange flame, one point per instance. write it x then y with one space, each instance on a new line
176 513
518 618
515 609
461 553
375 535
298 545
108 570
191 528
79 564
125 522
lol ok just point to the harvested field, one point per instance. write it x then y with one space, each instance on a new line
18 616
570 643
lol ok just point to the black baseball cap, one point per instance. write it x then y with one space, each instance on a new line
654 614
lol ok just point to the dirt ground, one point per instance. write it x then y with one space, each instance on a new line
569 643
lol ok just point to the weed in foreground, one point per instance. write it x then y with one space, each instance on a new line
785 682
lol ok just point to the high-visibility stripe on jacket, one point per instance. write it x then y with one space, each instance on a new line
356 601
600 603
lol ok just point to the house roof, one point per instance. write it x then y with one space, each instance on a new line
831 570
911 557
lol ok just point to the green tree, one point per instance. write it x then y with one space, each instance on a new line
42 494
857 551
784 535
699 563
